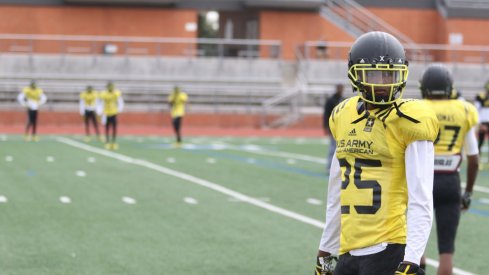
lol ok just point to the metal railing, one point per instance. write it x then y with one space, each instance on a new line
468 64
289 105
474 54
292 100
471 4
151 46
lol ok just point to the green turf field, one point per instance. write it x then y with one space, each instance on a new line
216 206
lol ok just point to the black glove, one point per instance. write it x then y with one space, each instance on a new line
406 268
325 265
466 200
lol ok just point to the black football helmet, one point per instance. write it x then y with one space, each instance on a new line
436 82
377 68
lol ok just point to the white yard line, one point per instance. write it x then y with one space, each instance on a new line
64 199
281 154
484 201
81 173
478 188
314 201
3 199
481 189
190 200
215 187
128 200
190 178
457 271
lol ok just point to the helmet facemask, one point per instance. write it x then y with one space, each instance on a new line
379 84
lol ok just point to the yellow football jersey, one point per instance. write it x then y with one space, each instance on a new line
371 152
110 101
33 94
178 107
483 99
456 119
89 98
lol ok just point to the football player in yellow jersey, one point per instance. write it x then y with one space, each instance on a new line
380 203
88 106
177 100
31 97
482 105
110 105
458 122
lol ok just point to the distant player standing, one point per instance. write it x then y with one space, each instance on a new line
177 100
111 104
31 97
482 105
88 106
458 122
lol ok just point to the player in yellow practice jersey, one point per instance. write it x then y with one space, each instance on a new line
111 104
482 105
88 106
31 97
380 205
177 100
458 122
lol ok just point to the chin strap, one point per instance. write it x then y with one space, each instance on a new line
383 117
402 115
365 114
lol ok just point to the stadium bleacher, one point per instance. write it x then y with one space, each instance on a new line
463 8
145 82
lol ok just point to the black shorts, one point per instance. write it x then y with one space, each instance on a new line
177 122
32 115
89 114
447 200
112 120
384 262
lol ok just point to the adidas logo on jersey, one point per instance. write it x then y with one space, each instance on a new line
352 133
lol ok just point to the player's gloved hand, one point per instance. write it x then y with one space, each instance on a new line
466 199
325 265
406 268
